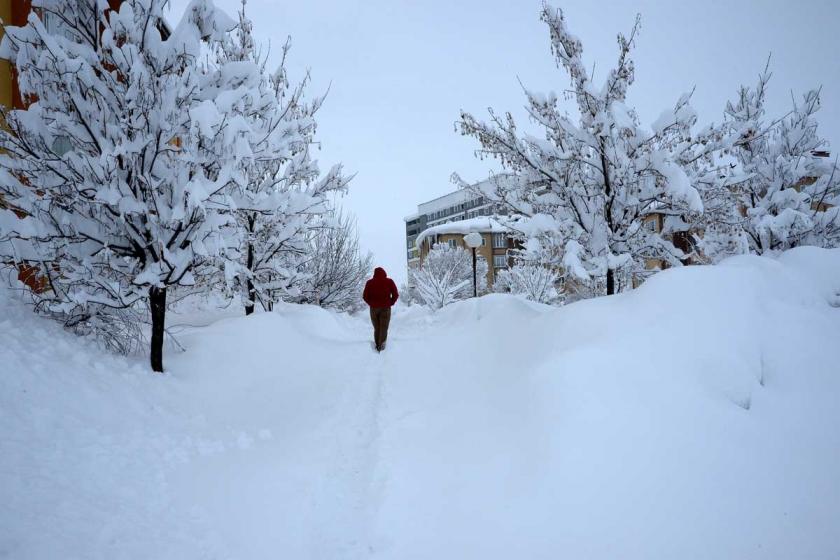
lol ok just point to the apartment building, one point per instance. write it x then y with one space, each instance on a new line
497 241
455 206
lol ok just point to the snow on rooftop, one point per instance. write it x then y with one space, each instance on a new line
482 224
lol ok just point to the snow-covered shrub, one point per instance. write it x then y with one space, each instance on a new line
335 270
446 276
408 294
535 282
587 186
122 331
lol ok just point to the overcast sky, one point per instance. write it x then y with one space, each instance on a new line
400 71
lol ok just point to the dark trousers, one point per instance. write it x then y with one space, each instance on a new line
381 318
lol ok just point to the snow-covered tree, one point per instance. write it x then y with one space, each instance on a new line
446 275
123 163
335 271
782 191
588 185
279 207
535 282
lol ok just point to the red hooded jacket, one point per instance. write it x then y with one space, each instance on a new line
380 291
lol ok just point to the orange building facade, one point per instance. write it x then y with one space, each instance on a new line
15 12
12 12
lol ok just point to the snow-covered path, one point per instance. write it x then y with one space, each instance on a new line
651 425
305 427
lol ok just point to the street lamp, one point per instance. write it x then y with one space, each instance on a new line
473 241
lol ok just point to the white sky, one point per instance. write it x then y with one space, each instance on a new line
399 71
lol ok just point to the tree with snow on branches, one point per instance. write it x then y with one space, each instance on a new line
781 189
335 269
123 164
279 207
586 186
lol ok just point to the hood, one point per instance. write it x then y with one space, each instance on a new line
379 272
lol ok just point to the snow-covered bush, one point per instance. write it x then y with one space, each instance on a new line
335 270
408 294
446 276
587 186
119 172
278 209
535 282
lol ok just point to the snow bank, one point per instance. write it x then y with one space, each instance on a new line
87 441
695 417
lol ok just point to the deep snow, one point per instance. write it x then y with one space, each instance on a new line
696 417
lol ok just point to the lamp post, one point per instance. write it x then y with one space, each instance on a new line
473 241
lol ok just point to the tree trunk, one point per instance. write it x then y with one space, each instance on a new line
249 284
249 305
608 200
157 302
610 281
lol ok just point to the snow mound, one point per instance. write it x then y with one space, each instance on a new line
694 417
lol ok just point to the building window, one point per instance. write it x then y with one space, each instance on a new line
499 241
500 261
652 225
452 243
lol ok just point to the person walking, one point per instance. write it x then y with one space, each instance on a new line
380 294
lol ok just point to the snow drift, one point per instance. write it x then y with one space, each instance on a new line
695 417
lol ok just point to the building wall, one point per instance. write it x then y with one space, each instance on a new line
654 223
5 66
13 12
413 226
